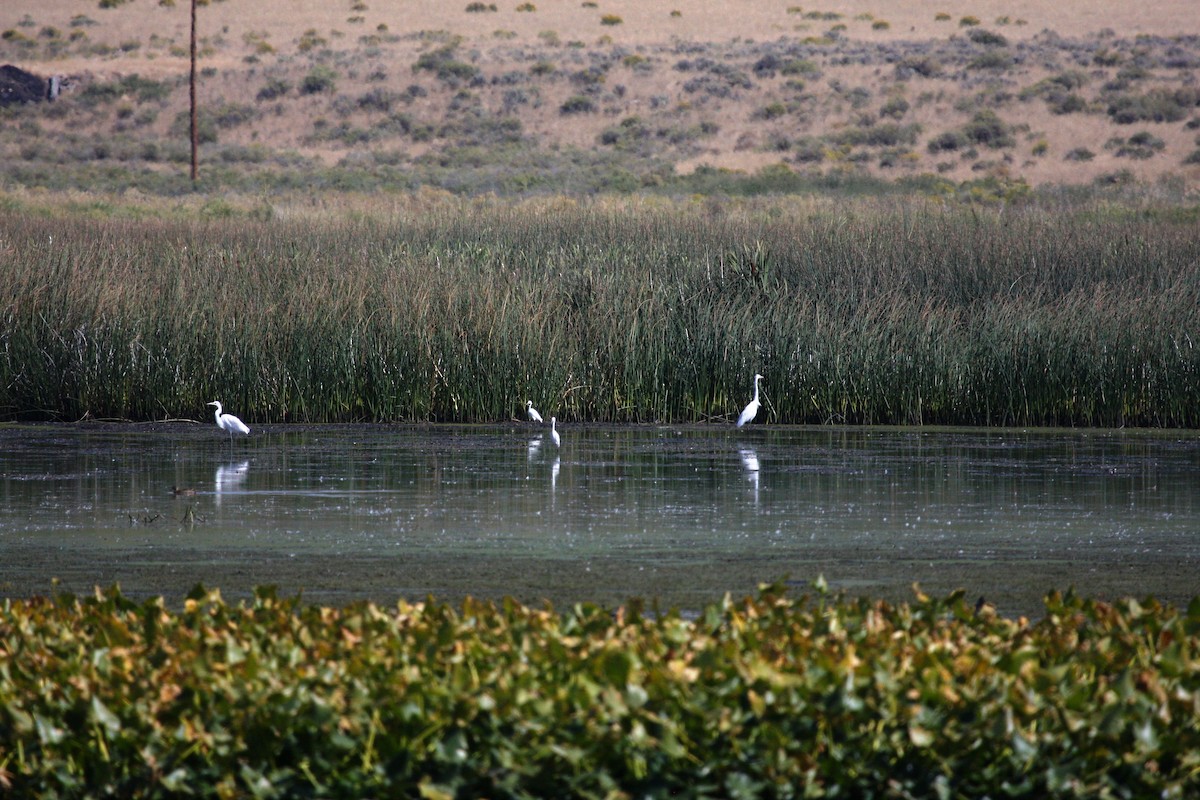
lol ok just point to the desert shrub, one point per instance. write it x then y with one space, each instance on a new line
310 40
526 7
798 66
986 37
320 78
926 66
808 150
948 141
1066 103
241 154
443 63
630 131
577 104
1141 145
1192 157
992 59
894 107
773 110
637 63
986 128
886 135
229 115
1079 154
377 99
1157 105
144 89
968 21
880 25
477 7
1059 92
766 66
610 19
273 89
589 77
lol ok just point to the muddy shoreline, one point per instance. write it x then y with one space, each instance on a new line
1015 587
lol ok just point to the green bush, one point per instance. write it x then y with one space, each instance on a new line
1157 105
987 129
986 37
273 89
949 140
992 59
769 696
319 79
577 104
895 107
442 63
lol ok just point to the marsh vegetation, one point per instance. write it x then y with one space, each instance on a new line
441 309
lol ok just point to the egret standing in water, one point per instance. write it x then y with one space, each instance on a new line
534 416
554 437
228 422
751 409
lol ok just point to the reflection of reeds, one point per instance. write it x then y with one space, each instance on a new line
856 313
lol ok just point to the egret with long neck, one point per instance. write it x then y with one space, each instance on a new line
751 409
230 423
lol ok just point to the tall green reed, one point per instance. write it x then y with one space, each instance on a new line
862 312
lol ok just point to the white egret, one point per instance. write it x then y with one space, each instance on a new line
554 434
534 416
228 422
751 409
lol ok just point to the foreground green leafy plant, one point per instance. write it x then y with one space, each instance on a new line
769 696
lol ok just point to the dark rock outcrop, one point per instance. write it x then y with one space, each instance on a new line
19 86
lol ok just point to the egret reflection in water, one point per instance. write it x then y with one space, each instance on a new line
750 462
229 477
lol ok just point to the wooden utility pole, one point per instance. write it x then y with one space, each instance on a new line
192 98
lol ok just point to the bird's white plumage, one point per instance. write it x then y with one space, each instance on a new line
554 437
228 422
751 409
532 412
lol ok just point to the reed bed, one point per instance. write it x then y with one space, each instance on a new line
636 310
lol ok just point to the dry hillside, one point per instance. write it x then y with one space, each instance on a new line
1073 92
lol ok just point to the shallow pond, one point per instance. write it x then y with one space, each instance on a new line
680 515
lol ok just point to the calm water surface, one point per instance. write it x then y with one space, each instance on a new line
678 514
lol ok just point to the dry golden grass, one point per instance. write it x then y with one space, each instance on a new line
374 44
